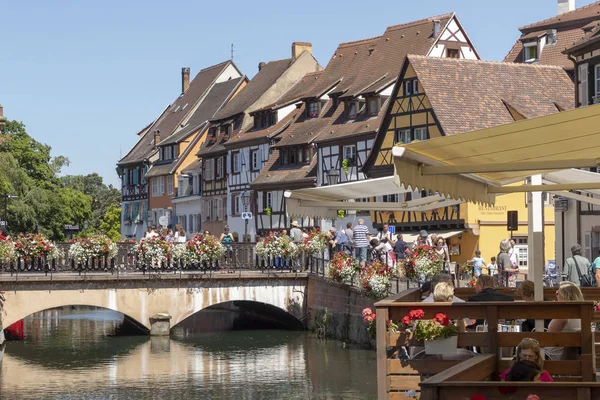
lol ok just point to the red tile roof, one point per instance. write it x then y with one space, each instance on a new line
589 12
590 37
275 174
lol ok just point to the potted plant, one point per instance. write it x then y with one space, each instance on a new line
370 318
268 210
439 333
7 249
315 243
375 279
346 165
343 268
424 262
341 214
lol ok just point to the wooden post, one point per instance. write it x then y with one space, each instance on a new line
492 320
535 258
588 356
381 335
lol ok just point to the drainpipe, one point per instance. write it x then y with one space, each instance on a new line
576 76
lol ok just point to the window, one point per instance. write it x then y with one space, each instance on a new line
158 186
420 134
521 249
294 155
169 184
530 51
407 135
349 153
373 106
235 204
312 109
209 169
196 223
269 200
225 130
219 168
390 198
411 87
350 109
236 164
255 160
452 53
402 136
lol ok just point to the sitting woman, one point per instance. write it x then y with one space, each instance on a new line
529 350
567 292
525 371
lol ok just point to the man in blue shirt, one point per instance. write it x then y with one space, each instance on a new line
340 240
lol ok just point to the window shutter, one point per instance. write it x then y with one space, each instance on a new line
583 85
259 158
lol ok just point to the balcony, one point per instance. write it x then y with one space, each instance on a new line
134 192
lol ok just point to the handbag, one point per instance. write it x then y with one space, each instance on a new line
584 279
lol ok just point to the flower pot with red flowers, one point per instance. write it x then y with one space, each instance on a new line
439 333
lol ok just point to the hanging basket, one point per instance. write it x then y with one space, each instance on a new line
442 346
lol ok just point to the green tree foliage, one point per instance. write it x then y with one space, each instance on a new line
46 202
110 224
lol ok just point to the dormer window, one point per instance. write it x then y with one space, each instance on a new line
312 109
264 120
351 108
168 153
373 106
225 130
411 87
452 53
530 52
295 155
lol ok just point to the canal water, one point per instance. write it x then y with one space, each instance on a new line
74 354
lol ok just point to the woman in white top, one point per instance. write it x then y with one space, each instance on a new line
442 251
179 234
566 292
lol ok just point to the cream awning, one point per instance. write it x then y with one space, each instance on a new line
475 166
325 201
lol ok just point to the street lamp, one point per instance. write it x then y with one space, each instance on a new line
246 203
333 176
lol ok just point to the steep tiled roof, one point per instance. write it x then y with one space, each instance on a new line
467 95
142 149
590 37
263 80
589 12
172 117
218 95
161 168
195 166
251 134
273 173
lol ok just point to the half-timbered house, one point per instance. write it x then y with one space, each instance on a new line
435 97
239 138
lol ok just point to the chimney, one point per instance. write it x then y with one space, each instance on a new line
300 47
2 119
565 6
261 65
185 79
156 137
436 27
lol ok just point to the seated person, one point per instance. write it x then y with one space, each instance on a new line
524 371
566 292
526 291
484 291
438 278
529 350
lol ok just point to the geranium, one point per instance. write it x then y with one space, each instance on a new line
153 252
276 245
204 248
472 282
375 279
34 246
423 262
370 318
314 243
439 327
96 246
343 268
7 249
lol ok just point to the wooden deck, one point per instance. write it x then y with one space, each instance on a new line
457 379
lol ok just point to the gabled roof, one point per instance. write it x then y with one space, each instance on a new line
175 113
264 79
585 13
593 36
467 95
275 174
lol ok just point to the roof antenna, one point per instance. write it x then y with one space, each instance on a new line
232 50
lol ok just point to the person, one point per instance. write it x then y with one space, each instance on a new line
426 289
442 252
386 234
493 268
400 248
437 279
484 291
382 251
339 239
206 233
529 350
478 263
526 290
506 270
361 241
167 234
180 236
595 270
576 265
348 231
566 292
513 255
152 233
525 371
295 232
423 239
226 237
443 292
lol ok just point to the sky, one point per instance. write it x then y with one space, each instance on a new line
86 76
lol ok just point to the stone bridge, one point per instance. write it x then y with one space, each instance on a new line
141 297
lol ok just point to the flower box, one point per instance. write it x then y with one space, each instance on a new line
442 346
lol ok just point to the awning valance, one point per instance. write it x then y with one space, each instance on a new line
474 166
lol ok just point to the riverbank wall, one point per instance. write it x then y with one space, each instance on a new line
337 309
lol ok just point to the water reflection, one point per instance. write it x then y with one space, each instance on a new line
68 354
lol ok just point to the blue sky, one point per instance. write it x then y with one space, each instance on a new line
85 76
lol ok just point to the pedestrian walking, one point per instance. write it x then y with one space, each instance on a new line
296 232
478 263
577 266
361 241
507 273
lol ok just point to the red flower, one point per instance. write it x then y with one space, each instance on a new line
416 314
406 320
478 397
442 319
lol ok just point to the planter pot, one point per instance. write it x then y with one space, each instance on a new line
442 346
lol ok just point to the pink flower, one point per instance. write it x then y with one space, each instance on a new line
533 397
366 311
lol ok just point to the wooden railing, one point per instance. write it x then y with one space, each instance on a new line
396 376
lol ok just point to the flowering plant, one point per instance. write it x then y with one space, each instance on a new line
343 267
96 246
375 279
439 327
204 248
424 261
314 243
7 249
32 246
472 282
466 268
154 251
275 245
369 317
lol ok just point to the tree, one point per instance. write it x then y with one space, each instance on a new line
110 224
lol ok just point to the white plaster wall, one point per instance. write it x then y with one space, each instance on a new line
229 73
468 53
285 111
